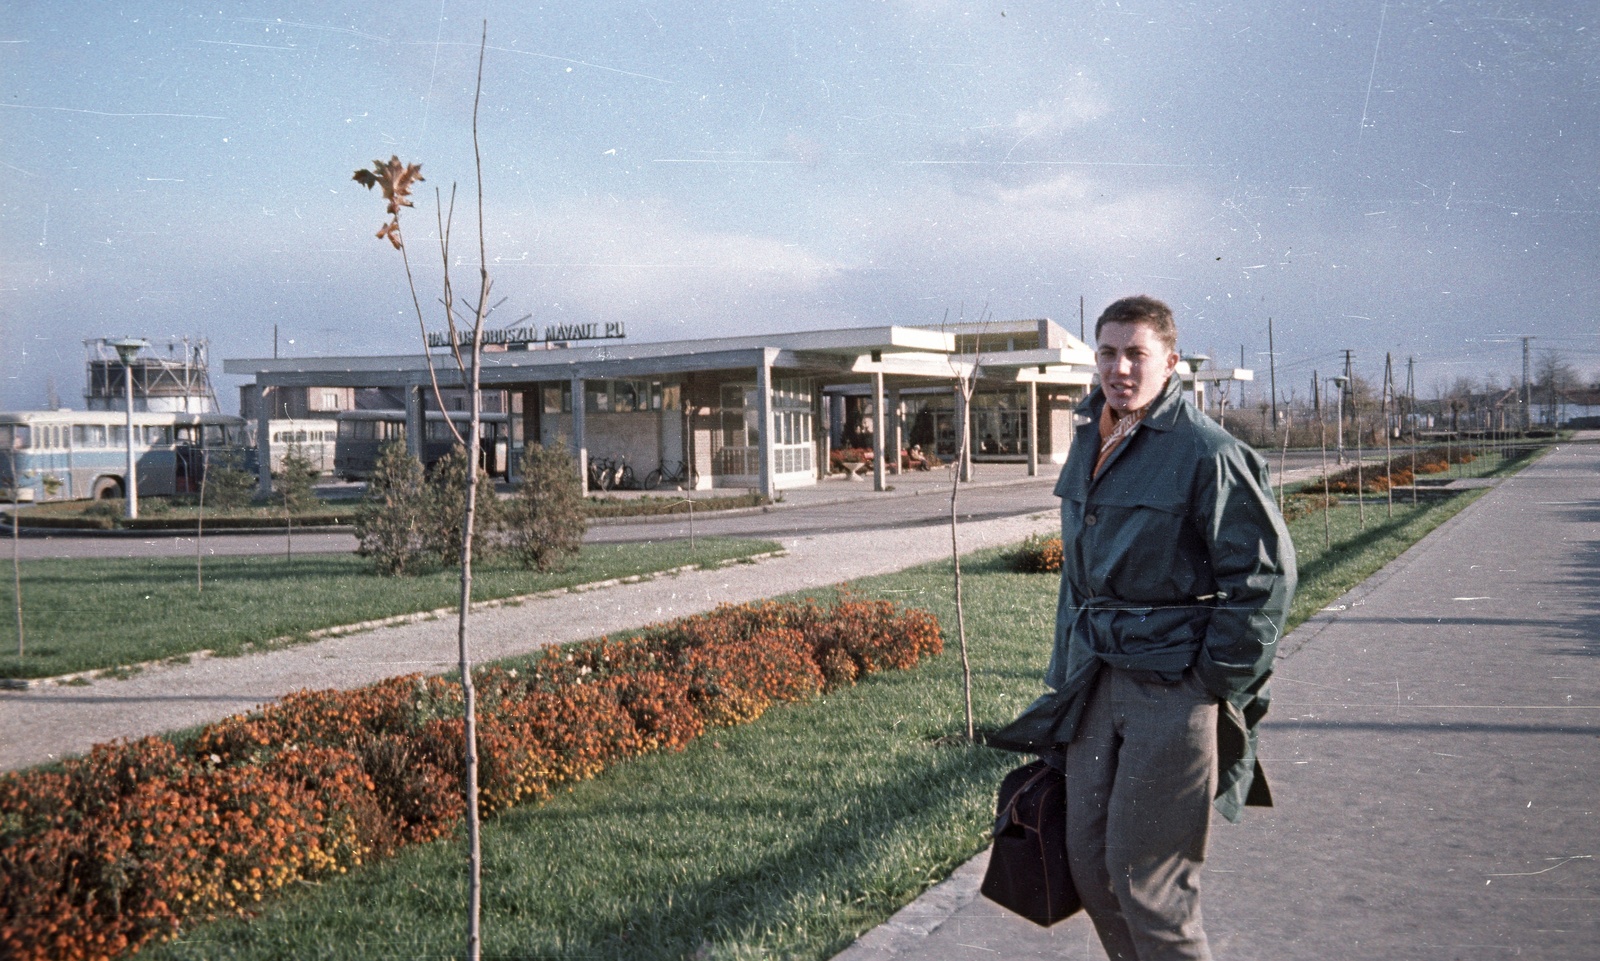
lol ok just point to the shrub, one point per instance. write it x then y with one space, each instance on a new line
389 523
735 683
294 481
444 514
545 520
138 840
1040 554
228 486
1296 506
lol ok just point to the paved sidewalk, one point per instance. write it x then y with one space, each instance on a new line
44 723
1434 750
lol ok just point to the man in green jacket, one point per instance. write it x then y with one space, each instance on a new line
1176 578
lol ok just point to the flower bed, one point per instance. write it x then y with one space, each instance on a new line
1377 478
139 840
1040 554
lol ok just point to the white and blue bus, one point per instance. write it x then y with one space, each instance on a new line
76 454
315 438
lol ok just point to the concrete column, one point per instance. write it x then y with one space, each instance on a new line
897 441
964 438
835 406
878 430
822 434
764 406
580 443
1033 429
268 397
416 421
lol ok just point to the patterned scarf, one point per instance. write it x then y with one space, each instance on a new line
1114 431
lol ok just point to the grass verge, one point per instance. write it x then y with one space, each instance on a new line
784 838
99 614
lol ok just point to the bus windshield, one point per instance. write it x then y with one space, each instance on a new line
13 436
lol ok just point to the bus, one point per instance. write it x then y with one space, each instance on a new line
362 434
76 455
317 440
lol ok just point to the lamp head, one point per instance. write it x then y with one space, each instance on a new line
128 348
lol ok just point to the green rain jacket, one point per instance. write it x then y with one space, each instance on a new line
1175 557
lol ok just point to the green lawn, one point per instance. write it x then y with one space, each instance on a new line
786 838
92 614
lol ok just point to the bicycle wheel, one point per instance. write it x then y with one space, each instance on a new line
652 480
626 480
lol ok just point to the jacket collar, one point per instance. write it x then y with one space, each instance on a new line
1163 410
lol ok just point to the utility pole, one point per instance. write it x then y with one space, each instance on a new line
1527 388
1080 319
1347 392
1272 368
1411 393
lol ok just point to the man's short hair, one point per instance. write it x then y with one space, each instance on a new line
1142 310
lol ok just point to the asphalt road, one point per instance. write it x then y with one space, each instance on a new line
832 508
920 500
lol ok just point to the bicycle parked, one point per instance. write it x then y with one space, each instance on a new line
611 473
674 473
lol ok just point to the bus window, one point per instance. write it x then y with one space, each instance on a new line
13 436
119 437
213 434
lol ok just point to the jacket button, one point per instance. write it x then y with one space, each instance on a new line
1090 520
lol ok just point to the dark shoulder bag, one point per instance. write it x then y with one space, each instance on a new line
1028 865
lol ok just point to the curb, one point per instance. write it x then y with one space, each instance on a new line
796 505
397 620
908 928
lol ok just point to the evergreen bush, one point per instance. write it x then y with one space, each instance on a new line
446 511
390 522
545 520
229 487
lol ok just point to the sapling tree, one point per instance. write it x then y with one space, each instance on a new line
396 180
966 382
294 489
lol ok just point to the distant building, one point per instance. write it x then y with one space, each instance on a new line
177 382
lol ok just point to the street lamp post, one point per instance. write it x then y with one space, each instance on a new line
127 349
1195 362
1340 382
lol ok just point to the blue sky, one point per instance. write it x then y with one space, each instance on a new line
1411 177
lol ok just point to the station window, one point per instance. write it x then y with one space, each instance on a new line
557 400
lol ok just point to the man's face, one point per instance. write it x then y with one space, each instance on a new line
1134 365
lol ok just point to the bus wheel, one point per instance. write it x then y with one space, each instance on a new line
107 488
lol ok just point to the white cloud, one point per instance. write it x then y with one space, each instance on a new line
1081 105
648 260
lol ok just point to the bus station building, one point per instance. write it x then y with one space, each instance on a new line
762 412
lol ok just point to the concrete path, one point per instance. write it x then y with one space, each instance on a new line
1434 750
44 723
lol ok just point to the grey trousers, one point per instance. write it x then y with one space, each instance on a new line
1141 776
